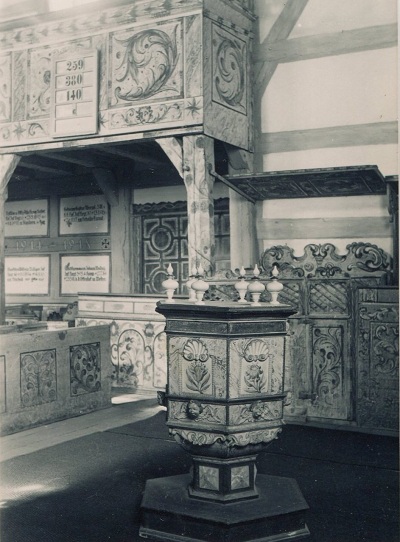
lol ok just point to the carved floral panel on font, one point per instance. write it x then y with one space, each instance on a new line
197 366
256 366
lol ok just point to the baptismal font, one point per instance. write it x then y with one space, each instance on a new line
225 397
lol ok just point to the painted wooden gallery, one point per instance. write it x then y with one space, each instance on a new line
193 205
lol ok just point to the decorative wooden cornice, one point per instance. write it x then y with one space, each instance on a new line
64 25
311 183
220 205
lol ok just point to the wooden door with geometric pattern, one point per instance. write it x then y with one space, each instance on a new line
161 238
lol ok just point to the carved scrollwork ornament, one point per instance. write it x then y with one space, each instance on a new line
200 438
324 260
230 69
149 59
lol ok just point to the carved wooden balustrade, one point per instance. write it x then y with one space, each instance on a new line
335 333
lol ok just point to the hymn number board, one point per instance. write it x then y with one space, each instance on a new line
75 94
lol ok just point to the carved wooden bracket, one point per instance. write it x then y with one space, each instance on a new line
173 149
108 184
8 163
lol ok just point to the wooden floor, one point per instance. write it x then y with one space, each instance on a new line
82 479
39 438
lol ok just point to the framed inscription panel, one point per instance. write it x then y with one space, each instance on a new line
83 215
74 94
26 218
27 275
86 273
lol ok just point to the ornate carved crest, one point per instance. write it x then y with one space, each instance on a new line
323 261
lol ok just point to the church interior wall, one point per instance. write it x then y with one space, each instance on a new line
336 108
339 221
324 97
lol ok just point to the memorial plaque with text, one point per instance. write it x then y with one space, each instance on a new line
27 275
26 216
84 215
85 273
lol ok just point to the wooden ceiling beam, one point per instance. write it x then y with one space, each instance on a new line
47 165
78 158
330 44
375 133
27 173
21 177
136 156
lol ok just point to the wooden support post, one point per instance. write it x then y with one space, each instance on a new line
242 214
8 163
198 160
121 242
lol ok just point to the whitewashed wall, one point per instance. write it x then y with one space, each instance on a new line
339 221
323 109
